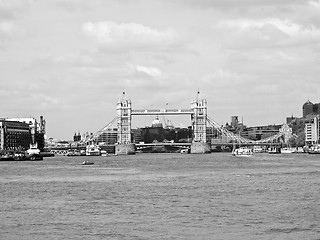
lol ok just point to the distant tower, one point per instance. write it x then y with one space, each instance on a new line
42 125
77 137
234 121
199 119
307 108
124 120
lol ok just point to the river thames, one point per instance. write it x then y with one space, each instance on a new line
162 196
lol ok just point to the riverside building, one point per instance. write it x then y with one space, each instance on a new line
307 126
14 135
260 132
19 133
312 131
309 108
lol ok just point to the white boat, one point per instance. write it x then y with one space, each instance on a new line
93 150
299 150
33 153
104 153
184 151
73 153
275 150
315 149
287 150
258 149
33 150
242 152
87 163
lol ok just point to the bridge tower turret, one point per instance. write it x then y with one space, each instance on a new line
124 145
199 125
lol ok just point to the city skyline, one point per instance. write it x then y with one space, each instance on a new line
70 61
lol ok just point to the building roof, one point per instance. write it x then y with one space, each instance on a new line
307 103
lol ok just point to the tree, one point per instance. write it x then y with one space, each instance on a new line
292 141
300 140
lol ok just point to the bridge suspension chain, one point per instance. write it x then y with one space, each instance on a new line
227 133
284 130
93 137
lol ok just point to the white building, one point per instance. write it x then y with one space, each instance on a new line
312 131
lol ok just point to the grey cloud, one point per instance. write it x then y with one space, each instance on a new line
233 4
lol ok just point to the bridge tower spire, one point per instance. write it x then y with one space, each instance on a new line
199 125
124 111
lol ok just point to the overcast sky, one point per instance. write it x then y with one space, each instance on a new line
70 60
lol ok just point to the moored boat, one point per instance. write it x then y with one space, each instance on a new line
275 150
20 156
93 150
258 149
299 150
33 149
287 150
7 157
73 153
315 149
184 151
242 152
33 153
104 153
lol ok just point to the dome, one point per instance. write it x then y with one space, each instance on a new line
156 122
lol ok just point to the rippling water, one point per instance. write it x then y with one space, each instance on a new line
162 196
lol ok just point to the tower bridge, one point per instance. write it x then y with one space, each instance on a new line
197 111
200 121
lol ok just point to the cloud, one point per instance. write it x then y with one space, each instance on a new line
130 35
150 71
251 24
269 32
245 54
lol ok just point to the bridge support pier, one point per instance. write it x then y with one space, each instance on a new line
200 147
125 149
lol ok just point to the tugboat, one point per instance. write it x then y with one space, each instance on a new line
33 153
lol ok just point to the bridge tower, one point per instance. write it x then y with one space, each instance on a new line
199 125
124 145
